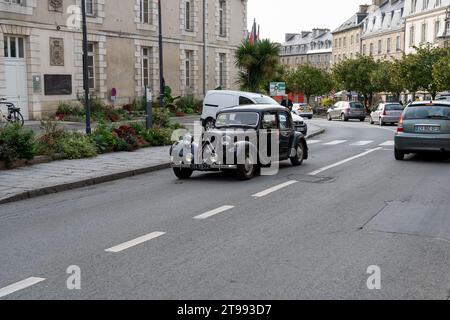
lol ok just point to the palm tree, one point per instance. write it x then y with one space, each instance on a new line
257 63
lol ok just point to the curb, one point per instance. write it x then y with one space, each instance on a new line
98 180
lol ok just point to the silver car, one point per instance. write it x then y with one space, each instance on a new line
386 113
346 110
423 127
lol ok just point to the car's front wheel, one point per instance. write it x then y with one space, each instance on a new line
182 173
399 155
209 124
297 160
247 170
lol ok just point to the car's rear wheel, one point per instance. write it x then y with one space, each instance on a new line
399 155
362 119
247 170
343 117
329 117
380 122
182 173
297 160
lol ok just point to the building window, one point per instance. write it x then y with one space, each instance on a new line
147 69
357 38
388 45
398 45
411 36
222 70
425 4
146 11
189 69
413 6
19 2
437 3
14 47
380 46
345 42
437 26
364 49
222 18
91 65
90 7
188 15
351 40
423 37
371 49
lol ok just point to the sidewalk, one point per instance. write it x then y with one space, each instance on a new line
33 181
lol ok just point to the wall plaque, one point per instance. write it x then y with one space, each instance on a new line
56 52
55 5
58 84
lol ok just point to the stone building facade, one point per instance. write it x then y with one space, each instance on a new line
347 37
313 47
41 49
426 21
383 35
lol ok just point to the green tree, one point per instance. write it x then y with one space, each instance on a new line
441 73
257 63
354 75
386 77
309 80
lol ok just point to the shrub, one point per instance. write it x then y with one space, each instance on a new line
104 139
158 136
189 104
138 104
130 140
67 110
48 143
328 102
16 143
161 117
76 146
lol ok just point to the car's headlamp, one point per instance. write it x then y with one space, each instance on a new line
189 157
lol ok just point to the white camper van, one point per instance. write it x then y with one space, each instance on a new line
216 100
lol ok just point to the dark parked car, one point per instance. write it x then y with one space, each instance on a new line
423 127
242 141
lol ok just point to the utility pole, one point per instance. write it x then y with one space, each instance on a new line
87 102
161 61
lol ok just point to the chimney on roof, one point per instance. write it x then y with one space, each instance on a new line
363 8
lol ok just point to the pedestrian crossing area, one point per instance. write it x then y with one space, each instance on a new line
360 143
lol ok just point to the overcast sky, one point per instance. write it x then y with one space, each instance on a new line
278 17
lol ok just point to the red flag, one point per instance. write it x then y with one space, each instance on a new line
252 34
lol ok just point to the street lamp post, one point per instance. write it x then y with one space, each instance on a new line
85 69
161 61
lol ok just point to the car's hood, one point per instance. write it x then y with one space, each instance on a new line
297 118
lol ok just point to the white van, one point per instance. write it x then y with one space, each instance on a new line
216 100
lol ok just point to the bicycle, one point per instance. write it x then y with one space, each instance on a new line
14 116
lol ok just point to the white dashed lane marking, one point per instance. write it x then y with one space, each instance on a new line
211 213
19 286
362 143
334 143
274 189
389 143
135 242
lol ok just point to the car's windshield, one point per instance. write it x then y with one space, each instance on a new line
265 100
356 105
427 112
394 107
230 119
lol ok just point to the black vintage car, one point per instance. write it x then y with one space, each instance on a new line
245 139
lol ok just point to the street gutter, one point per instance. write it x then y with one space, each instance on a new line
98 180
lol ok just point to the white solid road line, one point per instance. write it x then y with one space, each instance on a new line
19 286
313 141
273 189
135 242
389 143
211 213
314 173
362 143
334 143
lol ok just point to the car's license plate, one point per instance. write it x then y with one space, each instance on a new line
428 129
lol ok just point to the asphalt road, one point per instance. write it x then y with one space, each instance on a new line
350 206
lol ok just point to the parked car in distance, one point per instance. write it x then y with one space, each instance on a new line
346 110
299 123
443 96
423 127
389 112
272 119
217 100
303 109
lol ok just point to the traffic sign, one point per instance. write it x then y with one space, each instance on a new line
277 89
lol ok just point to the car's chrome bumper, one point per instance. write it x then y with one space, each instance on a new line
205 167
